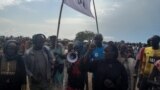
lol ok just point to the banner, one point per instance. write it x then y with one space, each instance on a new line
82 6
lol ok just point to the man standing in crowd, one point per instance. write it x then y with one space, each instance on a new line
98 51
139 59
58 51
77 72
109 73
127 60
12 68
39 64
150 55
96 54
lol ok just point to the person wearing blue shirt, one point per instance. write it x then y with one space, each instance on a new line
98 51
96 54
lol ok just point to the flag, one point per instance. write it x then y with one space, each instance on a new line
82 6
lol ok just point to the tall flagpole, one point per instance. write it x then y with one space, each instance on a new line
59 22
90 84
96 16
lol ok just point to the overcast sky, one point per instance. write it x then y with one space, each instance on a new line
129 20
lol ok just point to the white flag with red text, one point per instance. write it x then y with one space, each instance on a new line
82 6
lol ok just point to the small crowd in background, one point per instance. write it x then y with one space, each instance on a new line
41 63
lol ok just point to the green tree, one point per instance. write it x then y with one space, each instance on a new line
85 35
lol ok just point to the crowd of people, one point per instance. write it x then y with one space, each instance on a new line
39 63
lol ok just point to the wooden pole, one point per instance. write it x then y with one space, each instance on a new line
96 16
59 23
